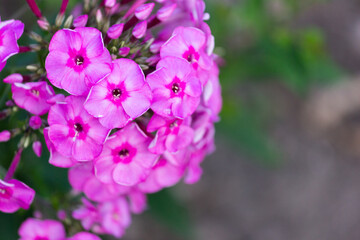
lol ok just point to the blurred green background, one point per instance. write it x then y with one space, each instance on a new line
287 159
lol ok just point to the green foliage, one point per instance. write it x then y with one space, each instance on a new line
171 212
261 44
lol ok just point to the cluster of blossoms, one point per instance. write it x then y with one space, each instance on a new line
126 99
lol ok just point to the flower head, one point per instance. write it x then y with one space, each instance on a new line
77 60
125 158
14 195
75 133
121 97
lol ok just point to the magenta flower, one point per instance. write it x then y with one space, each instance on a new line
188 43
115 216
77 60
56 158
163 174
82 178
33 96
176 90
172 134
88 214
125 158
75 133
10 32
14 195
35 229
120 97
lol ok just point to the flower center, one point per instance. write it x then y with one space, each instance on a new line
175 88
124 153
35 92
173 124
190 58
79 60
116 93
78 127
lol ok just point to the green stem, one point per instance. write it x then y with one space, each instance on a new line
4 95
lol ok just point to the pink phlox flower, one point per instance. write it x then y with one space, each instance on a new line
188 43
77 60
34 229
125 158
14 195
82 178
75 133
115 216
120 97
88 214
33 96
176 90
10 32
56 158
172 134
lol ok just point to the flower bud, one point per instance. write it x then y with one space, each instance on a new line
139 30
5 136
35 122
36 146
80 21
115 31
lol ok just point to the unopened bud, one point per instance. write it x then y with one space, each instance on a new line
68 22
32 67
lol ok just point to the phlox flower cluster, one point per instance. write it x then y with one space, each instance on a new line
126 98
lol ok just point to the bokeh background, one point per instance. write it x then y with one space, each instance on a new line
287 164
